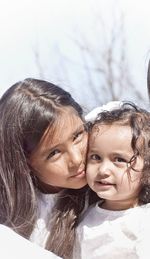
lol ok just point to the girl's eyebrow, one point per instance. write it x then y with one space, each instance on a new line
48 150
80 128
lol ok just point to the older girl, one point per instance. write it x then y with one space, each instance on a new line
43 143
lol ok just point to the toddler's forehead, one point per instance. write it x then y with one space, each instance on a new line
99 128
103 126
95 132
114 130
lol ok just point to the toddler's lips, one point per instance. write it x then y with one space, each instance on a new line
103 184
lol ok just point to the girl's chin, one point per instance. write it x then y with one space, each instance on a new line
80 184
77 183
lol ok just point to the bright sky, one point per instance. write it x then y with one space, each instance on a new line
26 25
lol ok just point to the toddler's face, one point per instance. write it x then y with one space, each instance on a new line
108 170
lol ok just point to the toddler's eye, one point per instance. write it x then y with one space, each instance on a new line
53 153
120 160
94 157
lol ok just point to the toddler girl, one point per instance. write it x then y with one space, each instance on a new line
118 171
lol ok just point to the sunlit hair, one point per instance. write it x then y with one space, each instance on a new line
139 121
26 110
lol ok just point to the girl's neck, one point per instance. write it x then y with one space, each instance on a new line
119 205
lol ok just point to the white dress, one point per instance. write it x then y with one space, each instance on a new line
105 234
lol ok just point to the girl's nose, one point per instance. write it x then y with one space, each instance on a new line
75 157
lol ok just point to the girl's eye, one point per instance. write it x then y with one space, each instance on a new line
94 157
78 135
53 153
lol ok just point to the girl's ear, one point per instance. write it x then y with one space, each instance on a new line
148 79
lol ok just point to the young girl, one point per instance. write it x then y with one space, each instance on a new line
43 142
118 171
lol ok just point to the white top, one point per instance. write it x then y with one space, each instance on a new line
43 224
109 234
41 230
13 246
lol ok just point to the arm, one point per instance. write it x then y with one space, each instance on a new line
14 246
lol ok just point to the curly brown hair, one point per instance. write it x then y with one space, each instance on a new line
139 120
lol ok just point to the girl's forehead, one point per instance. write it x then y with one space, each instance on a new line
64 125
59 133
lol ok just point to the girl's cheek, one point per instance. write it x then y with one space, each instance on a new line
84 146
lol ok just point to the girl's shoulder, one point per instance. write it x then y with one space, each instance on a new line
145 208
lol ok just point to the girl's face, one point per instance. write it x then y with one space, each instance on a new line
108 171
59 159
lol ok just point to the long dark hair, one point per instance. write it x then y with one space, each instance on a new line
139 120
26 110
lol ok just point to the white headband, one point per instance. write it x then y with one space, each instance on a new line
91 116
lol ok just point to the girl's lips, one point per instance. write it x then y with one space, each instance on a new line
79 174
